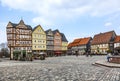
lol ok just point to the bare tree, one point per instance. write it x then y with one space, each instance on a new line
2 45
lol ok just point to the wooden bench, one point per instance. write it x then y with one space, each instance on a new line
114 59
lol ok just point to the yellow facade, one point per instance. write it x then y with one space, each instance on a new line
64 46
38 39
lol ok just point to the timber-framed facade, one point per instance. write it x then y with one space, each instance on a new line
19 37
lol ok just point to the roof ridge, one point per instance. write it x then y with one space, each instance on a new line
105 32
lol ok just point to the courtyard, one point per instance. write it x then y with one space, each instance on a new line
63 68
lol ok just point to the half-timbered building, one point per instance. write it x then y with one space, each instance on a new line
103 42
50 42
19 37
57 42
80 45
117 45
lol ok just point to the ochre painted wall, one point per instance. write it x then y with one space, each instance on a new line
39 39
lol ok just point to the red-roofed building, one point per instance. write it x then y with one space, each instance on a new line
84 45
69 51
69 45
117 44
80 45
103 42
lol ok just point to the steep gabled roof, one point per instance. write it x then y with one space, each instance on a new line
29 27
21 21
80 41
34 28
14 24
76 42
48 31
84 41
117 39
37 27
56 31
69 45
102 38
63 37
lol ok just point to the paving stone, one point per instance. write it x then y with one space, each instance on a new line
65 68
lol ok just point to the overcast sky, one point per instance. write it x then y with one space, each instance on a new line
74 18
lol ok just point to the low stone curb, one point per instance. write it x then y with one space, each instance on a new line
107 64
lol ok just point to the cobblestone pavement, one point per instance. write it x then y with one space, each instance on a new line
64 68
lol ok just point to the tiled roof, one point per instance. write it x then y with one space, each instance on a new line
117 39
14 24
70 45
76 42
84 41
29 27
48 31
80 41
55 31
102 38
36 27
21 21
63 37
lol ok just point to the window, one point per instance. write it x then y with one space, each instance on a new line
39 40
118 44
35 46
43 46
35 40
43 41
27 48
24 48
39 30
103 45
111 44
39 46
